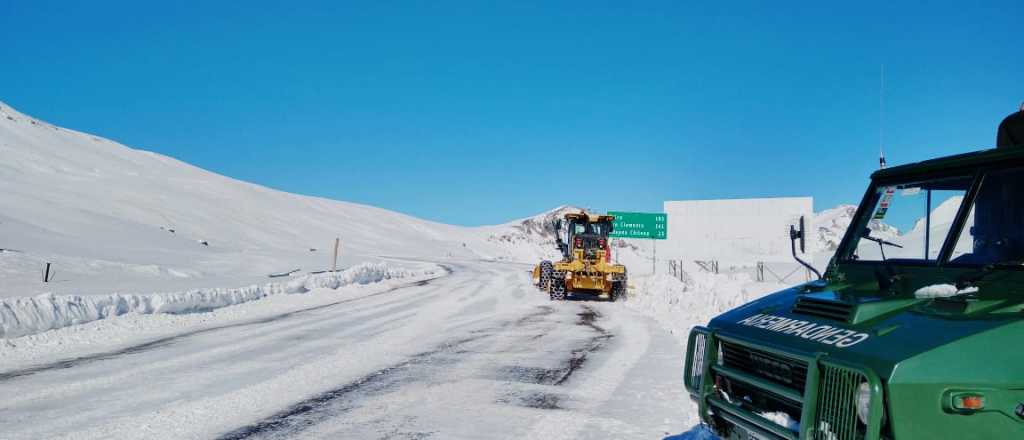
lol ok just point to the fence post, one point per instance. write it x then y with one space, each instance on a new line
334 266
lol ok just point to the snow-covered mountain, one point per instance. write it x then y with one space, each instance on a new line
529 238
113 218
830 225
533 238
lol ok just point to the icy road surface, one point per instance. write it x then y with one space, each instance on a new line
476 354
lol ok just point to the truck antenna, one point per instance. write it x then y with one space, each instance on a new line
881 118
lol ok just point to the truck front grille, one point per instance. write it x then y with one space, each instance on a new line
696 360
784 371
836 417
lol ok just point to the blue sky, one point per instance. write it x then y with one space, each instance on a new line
481 112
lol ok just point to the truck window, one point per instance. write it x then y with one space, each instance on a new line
911 221
994 230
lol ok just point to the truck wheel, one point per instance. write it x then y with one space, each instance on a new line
557 290
546 271
618 291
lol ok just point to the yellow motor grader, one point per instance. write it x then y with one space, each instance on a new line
586 266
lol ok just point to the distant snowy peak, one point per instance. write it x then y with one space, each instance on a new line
533 238
537 230
941 216
543 225
831 224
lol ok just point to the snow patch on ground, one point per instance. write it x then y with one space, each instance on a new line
31 315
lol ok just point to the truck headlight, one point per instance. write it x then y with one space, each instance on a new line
864 402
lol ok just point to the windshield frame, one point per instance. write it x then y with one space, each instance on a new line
865 211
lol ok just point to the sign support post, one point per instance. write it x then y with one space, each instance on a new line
654 259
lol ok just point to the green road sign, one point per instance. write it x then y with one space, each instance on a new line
639 225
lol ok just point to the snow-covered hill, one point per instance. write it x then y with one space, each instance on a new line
112 218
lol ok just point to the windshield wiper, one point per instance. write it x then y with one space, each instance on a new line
888 279
881 243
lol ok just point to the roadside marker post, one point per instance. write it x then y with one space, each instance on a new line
334 265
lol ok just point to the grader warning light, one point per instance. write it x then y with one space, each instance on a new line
585 266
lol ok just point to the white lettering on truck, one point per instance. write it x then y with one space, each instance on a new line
821 333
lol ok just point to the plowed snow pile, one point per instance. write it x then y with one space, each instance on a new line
24 316
679 304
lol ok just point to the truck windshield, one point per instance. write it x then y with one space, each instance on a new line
910 221
600 229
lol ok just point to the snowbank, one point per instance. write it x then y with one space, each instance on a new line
679 303
26 316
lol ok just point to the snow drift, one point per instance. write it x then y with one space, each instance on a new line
25 316
699 296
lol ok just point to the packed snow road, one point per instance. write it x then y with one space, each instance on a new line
475 354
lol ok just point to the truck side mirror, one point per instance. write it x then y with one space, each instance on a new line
799 234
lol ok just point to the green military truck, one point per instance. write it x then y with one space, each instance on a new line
914 331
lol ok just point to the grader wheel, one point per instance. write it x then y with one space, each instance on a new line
547 271
618 291
557 290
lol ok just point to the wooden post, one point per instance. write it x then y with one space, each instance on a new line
334 266
46 274
654 258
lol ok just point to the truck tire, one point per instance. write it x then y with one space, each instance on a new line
546 272
619 288
557 290
618 291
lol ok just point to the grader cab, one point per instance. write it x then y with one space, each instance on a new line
585 267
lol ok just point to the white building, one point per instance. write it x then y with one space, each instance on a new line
737 231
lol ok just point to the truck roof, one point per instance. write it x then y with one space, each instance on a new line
587 217
995 156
